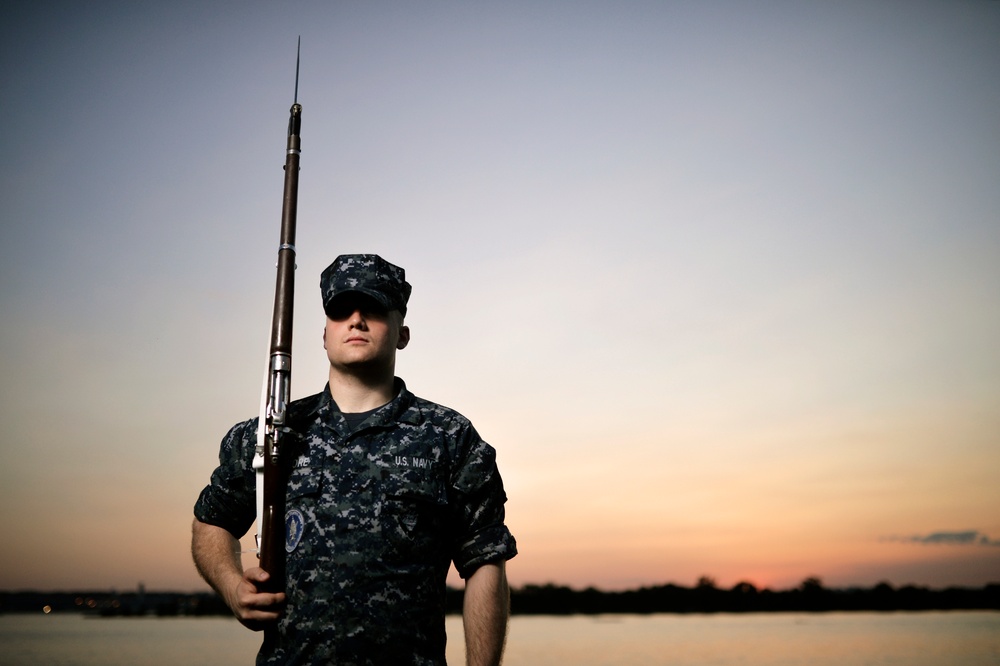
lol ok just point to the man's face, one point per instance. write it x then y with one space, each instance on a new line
361 335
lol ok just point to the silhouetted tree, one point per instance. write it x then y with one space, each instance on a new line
812 584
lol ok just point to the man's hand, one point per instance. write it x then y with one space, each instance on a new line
253 608
216 554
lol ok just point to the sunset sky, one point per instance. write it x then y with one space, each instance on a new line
720 281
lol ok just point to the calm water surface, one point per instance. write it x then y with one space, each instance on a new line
831 639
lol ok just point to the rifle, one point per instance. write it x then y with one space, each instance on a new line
272 426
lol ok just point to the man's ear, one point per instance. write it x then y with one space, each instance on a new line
404 337
324 337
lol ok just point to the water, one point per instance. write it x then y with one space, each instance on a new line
778 639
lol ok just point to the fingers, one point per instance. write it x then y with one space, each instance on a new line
253 577
256 574
252 582
256 609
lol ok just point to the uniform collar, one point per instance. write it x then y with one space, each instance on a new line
401 409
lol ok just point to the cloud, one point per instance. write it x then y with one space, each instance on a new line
956 538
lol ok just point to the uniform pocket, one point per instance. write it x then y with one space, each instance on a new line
414 520
302 482
301 493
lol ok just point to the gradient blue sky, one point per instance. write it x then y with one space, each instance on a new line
719 280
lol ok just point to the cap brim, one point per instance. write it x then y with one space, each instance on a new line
376 296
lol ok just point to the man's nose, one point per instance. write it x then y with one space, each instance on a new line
357 318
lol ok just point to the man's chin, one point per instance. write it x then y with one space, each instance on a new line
362 366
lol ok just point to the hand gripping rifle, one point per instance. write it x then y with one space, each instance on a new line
272 426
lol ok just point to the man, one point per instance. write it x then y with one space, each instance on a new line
385 490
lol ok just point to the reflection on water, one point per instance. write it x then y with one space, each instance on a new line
830 639
913 639
75 640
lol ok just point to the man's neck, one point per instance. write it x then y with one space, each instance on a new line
354 393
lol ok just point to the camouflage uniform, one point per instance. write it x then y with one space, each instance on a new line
374 518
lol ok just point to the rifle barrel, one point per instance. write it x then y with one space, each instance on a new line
272 518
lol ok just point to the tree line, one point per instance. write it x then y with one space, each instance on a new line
550 599
744 597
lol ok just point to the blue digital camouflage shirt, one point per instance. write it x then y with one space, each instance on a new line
374 518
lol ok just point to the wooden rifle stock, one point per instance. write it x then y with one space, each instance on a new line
278 382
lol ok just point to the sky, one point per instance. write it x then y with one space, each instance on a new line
720 281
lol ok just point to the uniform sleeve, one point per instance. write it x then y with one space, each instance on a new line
477 508
229 500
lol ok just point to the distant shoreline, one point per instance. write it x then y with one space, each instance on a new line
811 596
552 599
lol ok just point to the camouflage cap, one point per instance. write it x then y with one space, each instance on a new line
369 274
